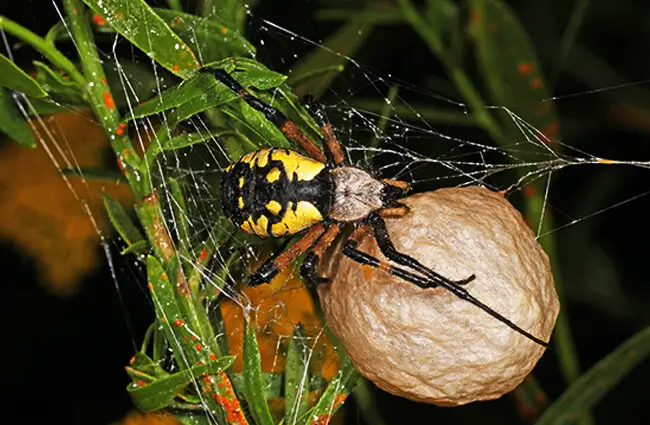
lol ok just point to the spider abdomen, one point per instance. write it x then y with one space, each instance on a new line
276 192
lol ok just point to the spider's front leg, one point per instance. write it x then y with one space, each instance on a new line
388 249
276 264
332 146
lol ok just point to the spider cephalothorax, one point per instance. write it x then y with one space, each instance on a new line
279 192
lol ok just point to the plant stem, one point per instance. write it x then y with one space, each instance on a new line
99 94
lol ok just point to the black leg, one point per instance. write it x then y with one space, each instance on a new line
350 250
272 114
333 150
309 268
388 249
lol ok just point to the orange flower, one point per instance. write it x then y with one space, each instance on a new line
279 307
43 212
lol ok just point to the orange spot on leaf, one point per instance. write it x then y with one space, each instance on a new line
525 68
98 20
108 100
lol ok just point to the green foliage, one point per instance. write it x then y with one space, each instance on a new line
512 76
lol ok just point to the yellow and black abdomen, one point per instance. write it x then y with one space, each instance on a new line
276 192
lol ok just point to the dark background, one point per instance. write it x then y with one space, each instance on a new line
64 356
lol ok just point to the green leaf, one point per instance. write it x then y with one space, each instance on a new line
444 18
16 79
159 393
296 386
261 79
12 121
255 392
210 38
214 97
137 22
121 220
333 52
95 173
336 392
57 85
510 68
530 399
175 96
188 139
274 383
136 248
598 380
57 32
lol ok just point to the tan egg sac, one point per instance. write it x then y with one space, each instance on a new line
426 344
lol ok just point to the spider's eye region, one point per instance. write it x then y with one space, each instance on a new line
275 192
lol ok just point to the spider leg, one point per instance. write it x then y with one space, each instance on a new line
310 263
276 264
332 146
288 128
395 211
388 249
350 250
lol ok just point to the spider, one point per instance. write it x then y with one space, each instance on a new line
279 192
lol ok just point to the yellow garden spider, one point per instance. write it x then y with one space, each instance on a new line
278 192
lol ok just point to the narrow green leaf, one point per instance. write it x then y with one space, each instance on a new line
95 173
41 45
260 79
257 122
159 393
215 96
272 383
12 121
137 22
333 52
210 38
188 139
444 18
16 79
60 88
121 220
335 393
296 385
255 392
598 380
57 32
530 399
510 68
175 96
136 248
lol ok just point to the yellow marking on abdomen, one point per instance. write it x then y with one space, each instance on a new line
304 168
257 229
273 175
240 200
241 182
292 222
274 207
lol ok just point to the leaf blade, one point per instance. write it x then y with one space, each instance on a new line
598 380
136 21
